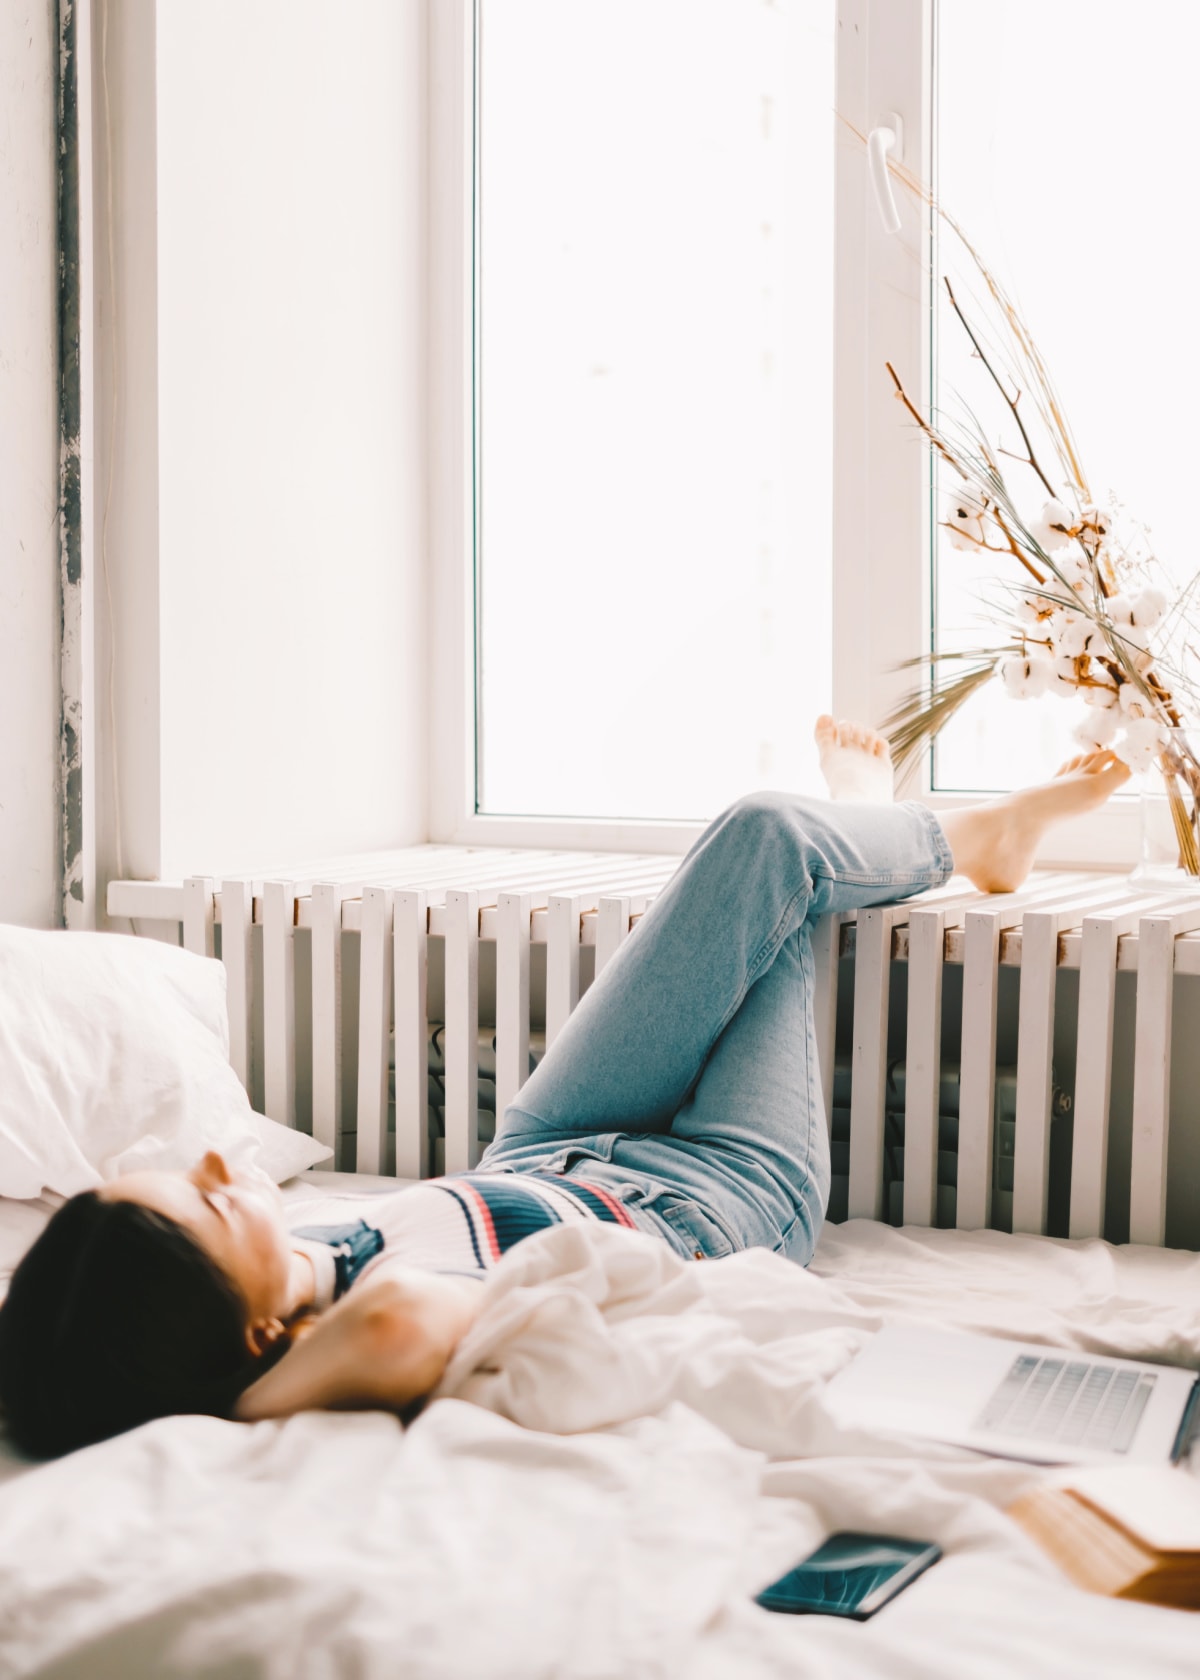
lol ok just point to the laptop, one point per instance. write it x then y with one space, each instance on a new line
1017 1399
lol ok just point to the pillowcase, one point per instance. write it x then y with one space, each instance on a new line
114 1057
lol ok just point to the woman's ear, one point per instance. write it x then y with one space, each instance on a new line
262 1334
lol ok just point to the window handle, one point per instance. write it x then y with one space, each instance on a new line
888 137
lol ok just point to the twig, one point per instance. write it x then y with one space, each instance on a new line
1032 460
924 425
1016 547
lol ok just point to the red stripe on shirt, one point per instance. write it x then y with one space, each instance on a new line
618 1210
485 1214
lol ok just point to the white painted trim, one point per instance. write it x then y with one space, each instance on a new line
128 710
881 315
76 915
592 834
451 427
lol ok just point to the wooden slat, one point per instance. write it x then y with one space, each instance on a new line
868 1087
199 915
1152 1071
279 1001
543 876
977 1067
374 1021
462 1029
163 901
562 961
1099 944
237 907
1035 1057
410 970
826 945
512 997
327 1099
923 1063
1034 1079
612 929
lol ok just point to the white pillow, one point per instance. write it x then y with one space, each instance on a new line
114 1056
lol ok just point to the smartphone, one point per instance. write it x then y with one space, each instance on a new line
850 1575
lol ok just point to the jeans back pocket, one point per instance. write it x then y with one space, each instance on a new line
699 1233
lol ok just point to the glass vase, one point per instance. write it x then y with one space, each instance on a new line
1169 794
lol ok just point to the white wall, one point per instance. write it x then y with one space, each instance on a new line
29 681
125 518
291 505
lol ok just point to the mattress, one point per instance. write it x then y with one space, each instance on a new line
626 1449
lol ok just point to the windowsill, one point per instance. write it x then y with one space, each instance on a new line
1109 839
1105 841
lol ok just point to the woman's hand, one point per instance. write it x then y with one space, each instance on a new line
384 1345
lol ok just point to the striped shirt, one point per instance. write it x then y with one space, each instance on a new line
459 1224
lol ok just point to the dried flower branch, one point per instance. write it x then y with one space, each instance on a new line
1095 625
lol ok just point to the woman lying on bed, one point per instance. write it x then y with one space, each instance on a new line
681 1099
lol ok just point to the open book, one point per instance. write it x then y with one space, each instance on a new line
1129 1531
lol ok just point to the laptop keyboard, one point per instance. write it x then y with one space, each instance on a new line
1070 1402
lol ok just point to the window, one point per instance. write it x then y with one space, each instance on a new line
632 664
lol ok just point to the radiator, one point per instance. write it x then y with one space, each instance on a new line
572 911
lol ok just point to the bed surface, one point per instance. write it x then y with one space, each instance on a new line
613 1470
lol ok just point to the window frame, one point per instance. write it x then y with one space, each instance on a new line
882 480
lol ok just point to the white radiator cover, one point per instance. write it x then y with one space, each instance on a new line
545 922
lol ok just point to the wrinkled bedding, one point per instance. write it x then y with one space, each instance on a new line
625 1448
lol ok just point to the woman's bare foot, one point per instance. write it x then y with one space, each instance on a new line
994 845
855 762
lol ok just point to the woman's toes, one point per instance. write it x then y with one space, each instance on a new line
855 761
1116 771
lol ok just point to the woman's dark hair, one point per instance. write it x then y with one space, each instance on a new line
113 1317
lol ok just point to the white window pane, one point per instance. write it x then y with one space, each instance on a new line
1064 137
654 401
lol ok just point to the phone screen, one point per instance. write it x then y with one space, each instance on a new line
849 1575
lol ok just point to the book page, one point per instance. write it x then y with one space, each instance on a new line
1159 1506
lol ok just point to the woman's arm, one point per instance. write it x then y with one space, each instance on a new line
385 1344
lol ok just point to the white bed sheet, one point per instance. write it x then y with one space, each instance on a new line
629 1447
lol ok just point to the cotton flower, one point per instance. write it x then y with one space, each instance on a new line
1138 755
1032 609
1096 730
1136 645
1045 529
1096 529
1119 609
1147 609
1141 742
1134 703
1076 572
1071 633
1145 729
1101 695
1027 675
964 520
1064 678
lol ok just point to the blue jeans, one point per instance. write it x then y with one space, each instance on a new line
686 1082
